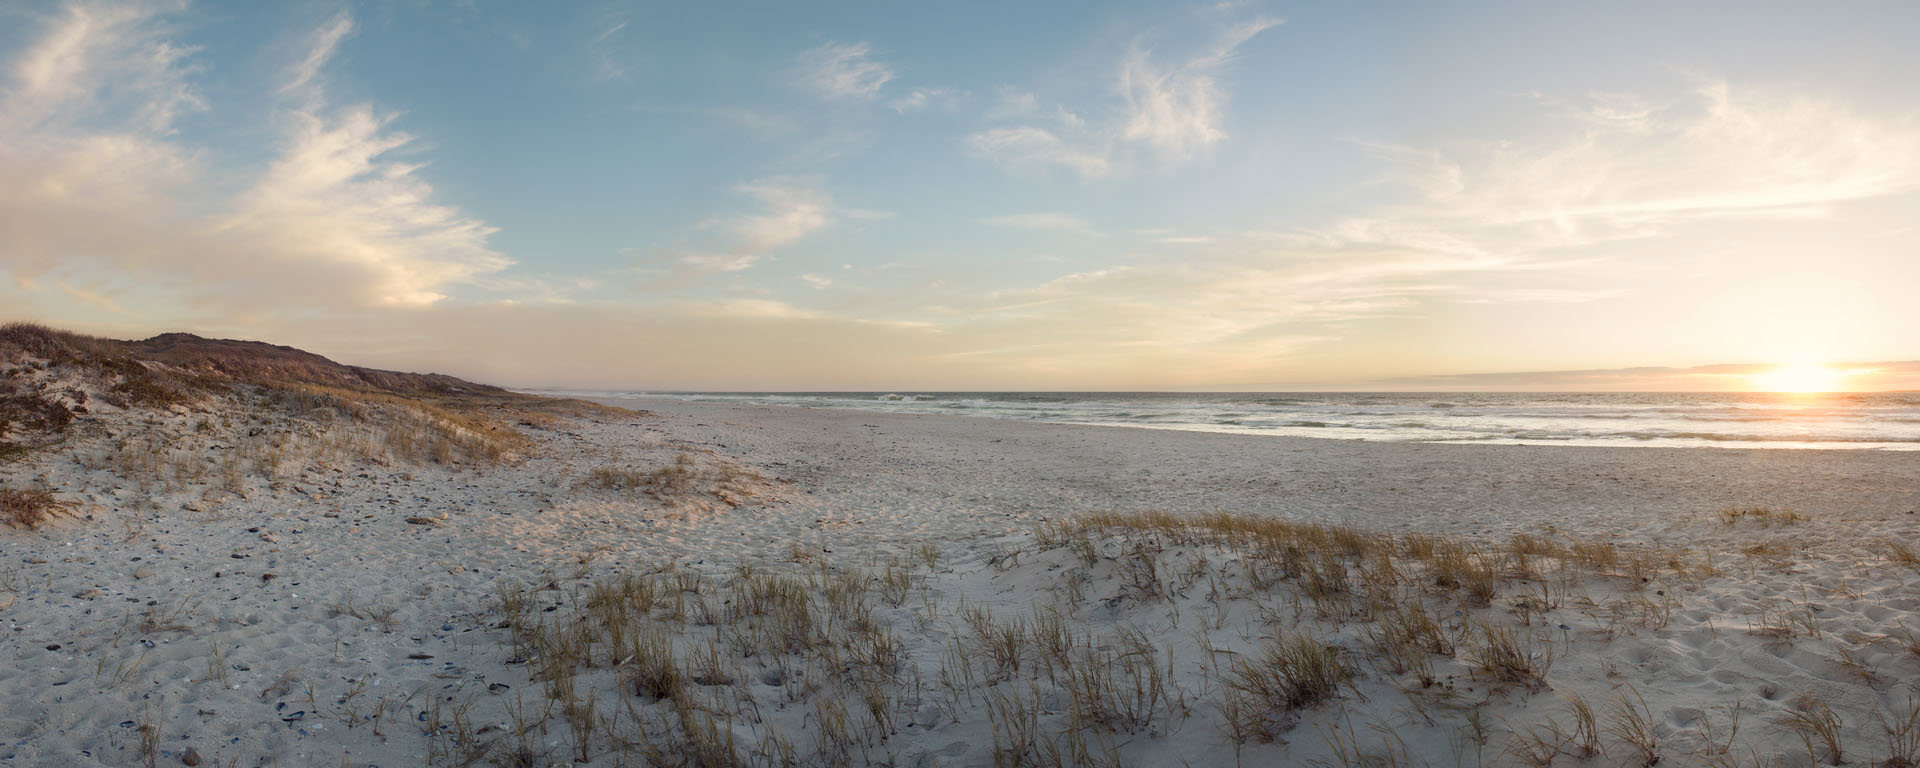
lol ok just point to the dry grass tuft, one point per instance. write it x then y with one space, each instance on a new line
1901 553
1502 655
687 483
1903 737
29 508
1633 723
1813 721
1294 672
1763 516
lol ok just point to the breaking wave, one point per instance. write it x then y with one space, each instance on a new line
1889 421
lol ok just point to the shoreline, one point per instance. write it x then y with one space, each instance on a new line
1641 420
1317 477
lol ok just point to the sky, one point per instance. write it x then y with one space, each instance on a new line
1006 196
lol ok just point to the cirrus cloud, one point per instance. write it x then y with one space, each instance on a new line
842 71
97 179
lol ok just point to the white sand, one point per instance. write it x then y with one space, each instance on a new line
854 488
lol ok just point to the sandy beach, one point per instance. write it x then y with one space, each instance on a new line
1220 383
366 612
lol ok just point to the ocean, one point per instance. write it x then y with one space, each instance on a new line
1882 421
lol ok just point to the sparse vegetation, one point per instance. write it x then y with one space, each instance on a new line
308 402
1632 722
1764 517
1294 672
1818 727
1501 654
1901 553
701 659
686 484
28 508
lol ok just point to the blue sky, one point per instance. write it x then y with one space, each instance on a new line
1240 195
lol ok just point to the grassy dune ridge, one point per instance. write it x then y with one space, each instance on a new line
54 381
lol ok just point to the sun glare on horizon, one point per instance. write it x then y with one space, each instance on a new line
1800 378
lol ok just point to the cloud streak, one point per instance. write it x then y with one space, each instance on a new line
789 210
99 180
842 71
1175 111
112 67
924 98
1046 222
321 49
1030 146
1627 169
1178 110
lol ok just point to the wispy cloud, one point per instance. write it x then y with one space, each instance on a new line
924 98
321 50
1174 110
1499 222
110 67
98 179
1627 168
1177 110
603 47
842 71
1046 222
337 195
789 209
759 123
756 309
1029 146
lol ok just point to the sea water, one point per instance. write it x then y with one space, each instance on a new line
1885 421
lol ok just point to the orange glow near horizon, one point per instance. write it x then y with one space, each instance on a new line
1800 378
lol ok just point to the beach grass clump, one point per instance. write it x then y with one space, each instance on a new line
1631 721
1503 655
1406 637
1542 744
1818 727
1585 736
1464 570
164 617
1903 736
1901 553
1785 620
1600 557
1764 517
378 614
28 508
684 483
1293 672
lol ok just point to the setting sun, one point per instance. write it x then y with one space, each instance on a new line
1800 377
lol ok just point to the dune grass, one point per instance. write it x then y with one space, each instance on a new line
686 483
28 508
411 418
699 659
